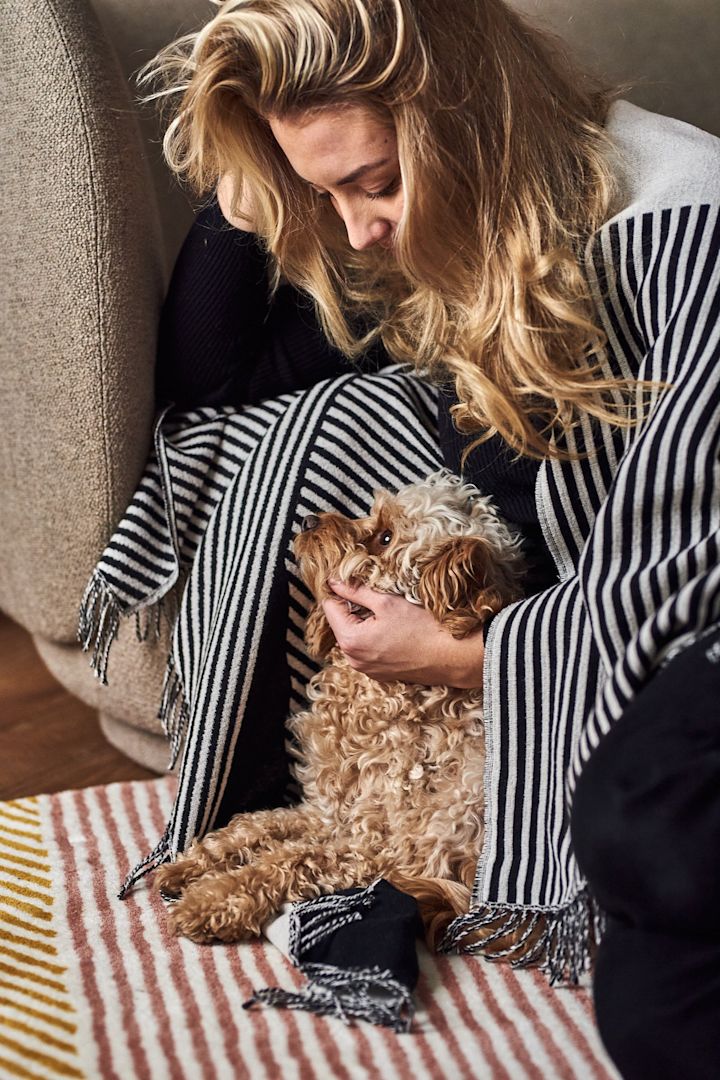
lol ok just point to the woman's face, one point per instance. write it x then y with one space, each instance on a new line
349 157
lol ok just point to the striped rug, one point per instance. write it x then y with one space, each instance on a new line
93 987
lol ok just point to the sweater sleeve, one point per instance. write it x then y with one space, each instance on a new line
223 340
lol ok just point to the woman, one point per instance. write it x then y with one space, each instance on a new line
449 193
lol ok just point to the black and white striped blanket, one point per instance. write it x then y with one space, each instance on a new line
633 524
219 502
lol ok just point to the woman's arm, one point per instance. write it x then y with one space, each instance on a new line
223 340
212 318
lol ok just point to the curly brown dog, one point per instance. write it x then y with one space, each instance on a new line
392 773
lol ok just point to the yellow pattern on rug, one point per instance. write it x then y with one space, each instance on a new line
38 1026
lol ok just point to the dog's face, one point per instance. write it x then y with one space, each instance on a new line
439 543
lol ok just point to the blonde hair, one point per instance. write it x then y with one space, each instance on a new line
503 159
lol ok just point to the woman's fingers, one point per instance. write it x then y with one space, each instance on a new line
357 594
344 623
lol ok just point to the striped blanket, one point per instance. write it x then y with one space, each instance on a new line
219 503
90 988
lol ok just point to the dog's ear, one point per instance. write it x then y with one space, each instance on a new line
466 582
319 638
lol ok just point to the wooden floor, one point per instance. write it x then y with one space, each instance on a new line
49 741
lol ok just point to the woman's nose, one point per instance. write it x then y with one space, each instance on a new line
364 230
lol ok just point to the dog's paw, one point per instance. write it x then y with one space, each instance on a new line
217 909
171 879
201 926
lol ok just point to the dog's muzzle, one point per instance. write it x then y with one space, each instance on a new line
310 522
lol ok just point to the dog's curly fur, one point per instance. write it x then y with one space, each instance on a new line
392 773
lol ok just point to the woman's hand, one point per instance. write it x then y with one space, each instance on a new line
401 640
244 217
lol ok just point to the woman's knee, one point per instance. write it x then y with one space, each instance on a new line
657 999
646 813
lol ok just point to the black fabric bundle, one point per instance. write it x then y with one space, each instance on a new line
357 951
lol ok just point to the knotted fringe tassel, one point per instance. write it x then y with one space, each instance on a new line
560 940
159 855
174 712
148 622
98 623
348 994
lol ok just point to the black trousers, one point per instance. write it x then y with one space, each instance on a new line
646 832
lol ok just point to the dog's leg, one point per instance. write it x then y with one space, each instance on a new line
234 845
234 905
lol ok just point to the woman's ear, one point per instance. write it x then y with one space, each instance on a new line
465 582
319 638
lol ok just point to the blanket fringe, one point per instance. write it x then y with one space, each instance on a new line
148 621
159 855
174 712
98 623
348 994
561 940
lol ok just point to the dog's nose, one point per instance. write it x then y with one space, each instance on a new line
310 522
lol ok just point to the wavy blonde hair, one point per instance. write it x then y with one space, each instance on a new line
504 166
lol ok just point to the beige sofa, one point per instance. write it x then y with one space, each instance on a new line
91 222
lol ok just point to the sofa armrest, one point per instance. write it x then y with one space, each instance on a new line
80 293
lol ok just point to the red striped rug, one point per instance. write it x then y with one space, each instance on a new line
94 987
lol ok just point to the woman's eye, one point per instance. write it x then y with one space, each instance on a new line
386 192
385 538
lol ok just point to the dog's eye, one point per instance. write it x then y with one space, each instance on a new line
385 538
